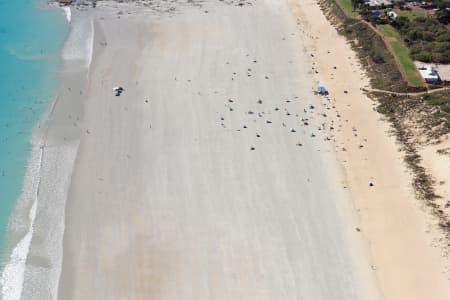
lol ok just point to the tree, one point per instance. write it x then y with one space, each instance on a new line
401 3
365 12
401 22
443 16
357 3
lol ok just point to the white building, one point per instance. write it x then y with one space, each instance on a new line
379 3
392 14
429 73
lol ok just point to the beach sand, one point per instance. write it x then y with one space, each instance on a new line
214 175
409 262
202 181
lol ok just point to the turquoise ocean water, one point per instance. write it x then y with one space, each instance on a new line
31 38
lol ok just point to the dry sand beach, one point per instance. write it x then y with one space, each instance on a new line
210 177
218 174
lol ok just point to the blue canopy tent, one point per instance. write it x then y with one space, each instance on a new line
321 90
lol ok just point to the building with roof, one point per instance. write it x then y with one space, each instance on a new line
429 74
379 3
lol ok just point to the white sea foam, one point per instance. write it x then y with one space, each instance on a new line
37 225
13 273
45 257
67 12
80 43
45 187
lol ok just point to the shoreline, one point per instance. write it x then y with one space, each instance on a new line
395 252
36 257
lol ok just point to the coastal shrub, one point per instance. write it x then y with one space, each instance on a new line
422 56
426 96
443 16
377 57
446 108
428 40
440 100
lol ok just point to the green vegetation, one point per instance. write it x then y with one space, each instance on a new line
411 15
371 49
427 39
443 16
441 100
348 6
402 54
443 13
426 36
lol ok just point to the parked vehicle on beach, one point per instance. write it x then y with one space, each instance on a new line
118 90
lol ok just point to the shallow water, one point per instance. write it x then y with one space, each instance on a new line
33 246
31 36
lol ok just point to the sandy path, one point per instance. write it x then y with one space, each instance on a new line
168 201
